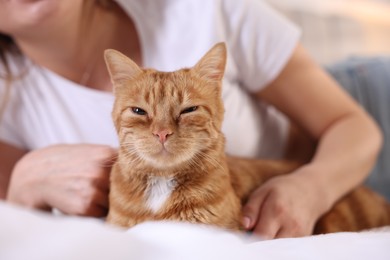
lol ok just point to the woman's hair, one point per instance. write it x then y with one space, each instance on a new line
7 45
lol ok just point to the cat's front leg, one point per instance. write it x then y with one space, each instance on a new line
224 213
117 219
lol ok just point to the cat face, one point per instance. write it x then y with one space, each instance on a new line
167 118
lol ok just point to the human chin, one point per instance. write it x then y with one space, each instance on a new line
19 14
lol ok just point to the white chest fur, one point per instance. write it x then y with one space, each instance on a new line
158 191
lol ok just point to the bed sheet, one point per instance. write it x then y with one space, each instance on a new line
27 234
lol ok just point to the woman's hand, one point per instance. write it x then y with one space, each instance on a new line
71 178
285 206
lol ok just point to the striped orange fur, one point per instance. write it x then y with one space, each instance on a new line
172 165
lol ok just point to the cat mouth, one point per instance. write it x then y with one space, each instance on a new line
164 152
163 158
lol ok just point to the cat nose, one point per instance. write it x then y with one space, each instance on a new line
163 135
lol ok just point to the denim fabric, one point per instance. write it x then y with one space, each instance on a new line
368 81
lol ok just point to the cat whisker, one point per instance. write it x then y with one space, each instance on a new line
198 138
130 151
127 144
194 162
135 160
109 162
210 159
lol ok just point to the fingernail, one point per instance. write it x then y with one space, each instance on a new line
246 222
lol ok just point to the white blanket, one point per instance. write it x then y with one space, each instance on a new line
32 235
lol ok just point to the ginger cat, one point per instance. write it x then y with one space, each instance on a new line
172 165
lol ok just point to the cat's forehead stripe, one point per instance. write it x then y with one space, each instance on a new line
164 86
167 92
147 97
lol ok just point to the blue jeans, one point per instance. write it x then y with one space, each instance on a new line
368 81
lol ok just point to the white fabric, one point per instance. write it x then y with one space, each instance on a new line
47 109
32 235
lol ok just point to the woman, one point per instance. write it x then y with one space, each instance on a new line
56 133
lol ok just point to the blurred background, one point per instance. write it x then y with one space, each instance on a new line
336 29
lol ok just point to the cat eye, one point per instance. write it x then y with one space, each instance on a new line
189 110
138 111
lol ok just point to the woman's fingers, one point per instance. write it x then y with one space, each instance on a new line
71 178
251 209
282 207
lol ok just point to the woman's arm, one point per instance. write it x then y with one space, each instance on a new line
348 144
9 156
349 140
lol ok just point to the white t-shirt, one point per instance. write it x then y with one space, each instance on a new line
46 109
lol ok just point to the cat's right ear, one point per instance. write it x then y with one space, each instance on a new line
120 67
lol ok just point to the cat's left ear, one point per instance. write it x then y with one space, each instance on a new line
212 65
120 67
